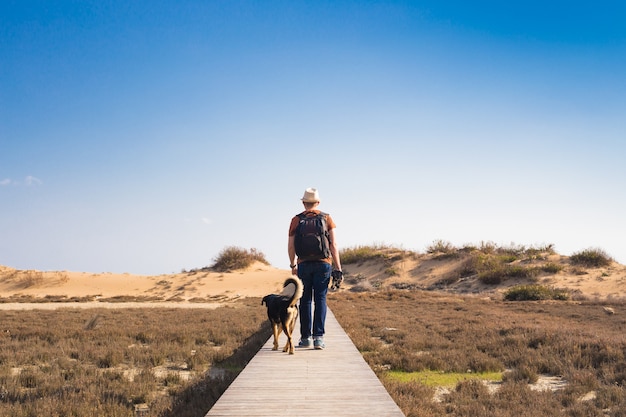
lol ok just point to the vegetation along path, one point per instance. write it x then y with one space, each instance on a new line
335 381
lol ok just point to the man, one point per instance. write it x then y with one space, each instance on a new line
314 270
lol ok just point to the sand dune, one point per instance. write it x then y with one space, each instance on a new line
257 280
203 288
427 271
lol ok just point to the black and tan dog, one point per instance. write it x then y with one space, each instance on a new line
282 310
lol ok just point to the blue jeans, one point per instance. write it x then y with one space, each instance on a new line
315 276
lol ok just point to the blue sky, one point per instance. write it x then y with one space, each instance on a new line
146 136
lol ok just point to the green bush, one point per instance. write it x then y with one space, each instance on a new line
534 293
500 273
592 257
552 268
233 258
441 246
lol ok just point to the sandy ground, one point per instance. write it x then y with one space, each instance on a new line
210 289
600 283
190 290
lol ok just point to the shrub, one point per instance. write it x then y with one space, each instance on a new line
359 254
391 272
500 273
492 277
517 271
233 258
508 258
521 374
512 250
445 250
552 268
538 252
441 246
487 247
592 257
534 293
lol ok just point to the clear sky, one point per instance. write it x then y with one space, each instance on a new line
146 136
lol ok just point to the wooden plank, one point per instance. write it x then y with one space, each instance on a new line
335 381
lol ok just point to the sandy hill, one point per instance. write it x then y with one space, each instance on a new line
476 272
198 286
467 272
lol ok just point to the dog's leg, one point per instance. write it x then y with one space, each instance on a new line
278 326
288 344
288 327
289 347
291 327
276 331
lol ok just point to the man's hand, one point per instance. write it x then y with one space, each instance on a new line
337 279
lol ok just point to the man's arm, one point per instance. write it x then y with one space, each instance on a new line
334 250
291 250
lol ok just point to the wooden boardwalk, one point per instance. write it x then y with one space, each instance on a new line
335 381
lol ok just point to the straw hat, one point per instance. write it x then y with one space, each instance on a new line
311 196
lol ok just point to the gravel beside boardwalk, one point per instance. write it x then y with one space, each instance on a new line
335 381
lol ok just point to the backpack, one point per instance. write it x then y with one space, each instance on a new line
311 239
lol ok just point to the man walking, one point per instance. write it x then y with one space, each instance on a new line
312 240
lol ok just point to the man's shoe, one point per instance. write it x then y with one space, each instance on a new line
318 343
305 343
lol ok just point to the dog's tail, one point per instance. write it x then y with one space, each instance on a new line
297 293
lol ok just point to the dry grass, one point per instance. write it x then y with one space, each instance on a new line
104 362
413 332
375 252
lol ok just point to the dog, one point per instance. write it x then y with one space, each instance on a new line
282 311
